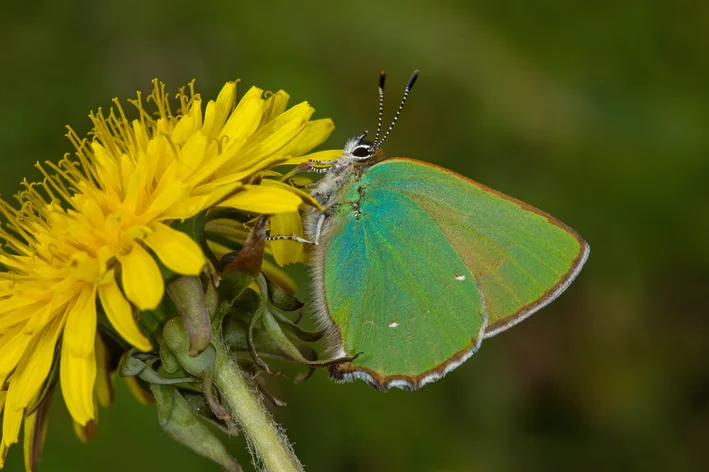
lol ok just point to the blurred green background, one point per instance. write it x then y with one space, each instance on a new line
597 112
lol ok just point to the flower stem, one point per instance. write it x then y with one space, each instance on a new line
267 439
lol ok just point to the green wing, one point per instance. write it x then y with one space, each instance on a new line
419 264
397 292
521 257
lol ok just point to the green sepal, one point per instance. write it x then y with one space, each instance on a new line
281 299
211 300
152 321
277 335
273 335
179 420
133 366
246 305
288 348
193 227
236 326
202 409
233 285
168 359
174 337
289 325
226 214
187 293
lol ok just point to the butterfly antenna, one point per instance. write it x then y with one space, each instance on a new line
382 77
408 88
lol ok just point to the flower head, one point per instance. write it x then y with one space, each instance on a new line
93 228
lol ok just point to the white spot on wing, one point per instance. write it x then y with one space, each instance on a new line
394 324
459 277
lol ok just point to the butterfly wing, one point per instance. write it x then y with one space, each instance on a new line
448 260
521 257
392 287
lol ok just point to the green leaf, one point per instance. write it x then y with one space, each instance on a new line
178 419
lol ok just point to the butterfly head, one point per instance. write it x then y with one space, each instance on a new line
358 149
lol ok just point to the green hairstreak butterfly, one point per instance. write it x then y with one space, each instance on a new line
414 265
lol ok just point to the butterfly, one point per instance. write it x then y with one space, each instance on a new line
414 266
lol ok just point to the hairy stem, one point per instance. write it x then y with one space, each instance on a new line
267 439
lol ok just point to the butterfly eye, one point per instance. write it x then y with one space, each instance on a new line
362 151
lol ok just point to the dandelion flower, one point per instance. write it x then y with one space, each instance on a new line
93 228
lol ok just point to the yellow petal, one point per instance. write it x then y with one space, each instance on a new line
141 135
245 119
132 183
77 377
166 197
162 152
219 250
191 155
80 328
107 170
194 204
17 316
314 134
78 363
241 175
328 155
243 123
305 196
104 381
35 433
13 303
3 446
141 395
269 139
286 224
12 346
33 368
279 277
195 115
262 199
217 112
186 127
12 421
176 250
85 432
120 313
3 454
141 278
275 105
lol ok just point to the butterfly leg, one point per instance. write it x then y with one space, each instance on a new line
310 166
291 237
310 185
298 239
328 161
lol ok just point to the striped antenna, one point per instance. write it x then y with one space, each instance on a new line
408 88
382 77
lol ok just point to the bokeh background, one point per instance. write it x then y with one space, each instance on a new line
597 112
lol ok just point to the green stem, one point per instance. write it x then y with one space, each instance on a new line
267 439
